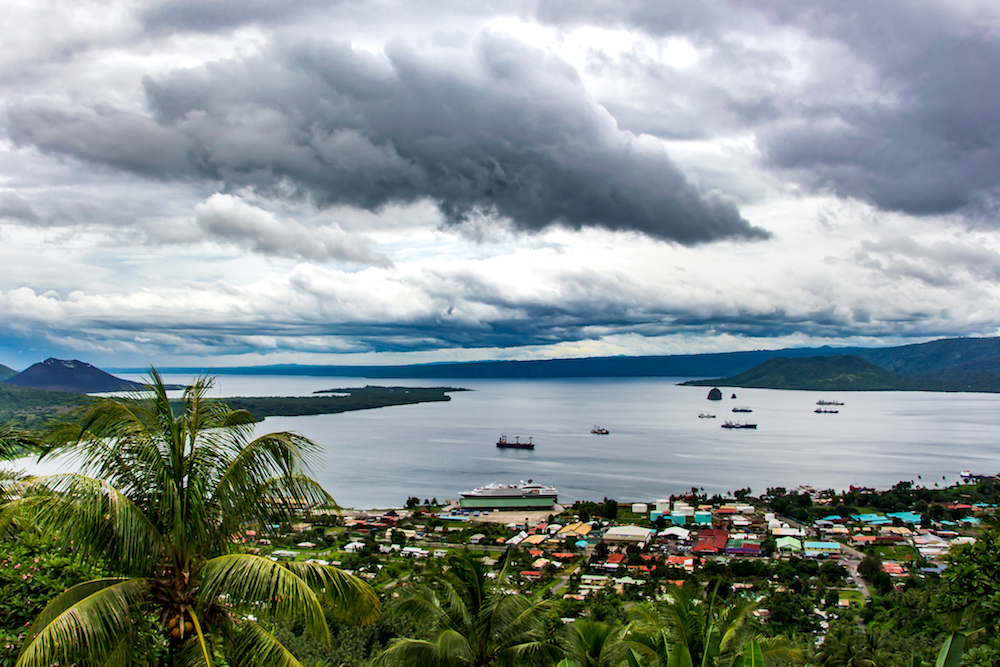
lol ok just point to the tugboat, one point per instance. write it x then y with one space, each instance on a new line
504 443
739 425
597 430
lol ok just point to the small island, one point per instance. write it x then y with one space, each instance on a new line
340 400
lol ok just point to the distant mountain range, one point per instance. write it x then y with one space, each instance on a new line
844 373
950 364
72 376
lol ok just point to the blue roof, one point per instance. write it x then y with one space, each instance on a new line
908 517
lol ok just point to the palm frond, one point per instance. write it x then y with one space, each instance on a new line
348 596
448 648
250 645
90 619
91 514
262 587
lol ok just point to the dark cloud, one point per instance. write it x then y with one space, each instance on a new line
213 15
13 207
511 133
899 105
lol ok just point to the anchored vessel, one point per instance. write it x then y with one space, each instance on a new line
516 443
822 402
597 430
738 425
705 415
525 495
824 411
742 410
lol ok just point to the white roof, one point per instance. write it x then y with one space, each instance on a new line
633 532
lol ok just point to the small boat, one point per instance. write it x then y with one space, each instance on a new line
742 410
505 443
822 402
738 425
705 415
597 430
824 411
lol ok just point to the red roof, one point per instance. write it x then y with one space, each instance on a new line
616 558
711 540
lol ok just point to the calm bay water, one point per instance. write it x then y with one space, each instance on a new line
657 445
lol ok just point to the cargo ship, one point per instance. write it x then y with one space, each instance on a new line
738 425
522 496
516 443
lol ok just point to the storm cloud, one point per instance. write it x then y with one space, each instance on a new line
226 182
894 103
507 131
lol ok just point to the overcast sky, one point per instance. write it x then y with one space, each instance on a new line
235 182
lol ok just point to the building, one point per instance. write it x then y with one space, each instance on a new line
628 535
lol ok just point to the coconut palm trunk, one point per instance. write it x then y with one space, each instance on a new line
164 506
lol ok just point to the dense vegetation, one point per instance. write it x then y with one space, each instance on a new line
843 373
170 496
344 400
33 408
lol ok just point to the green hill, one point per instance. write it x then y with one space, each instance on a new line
950 364
6 372
844 373
32 408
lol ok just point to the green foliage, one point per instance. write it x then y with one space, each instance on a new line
970 592
168 493
33 408
363 398
32 572
842 373
474 621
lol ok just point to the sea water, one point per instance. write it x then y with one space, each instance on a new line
657 444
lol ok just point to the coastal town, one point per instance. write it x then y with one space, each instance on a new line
850 545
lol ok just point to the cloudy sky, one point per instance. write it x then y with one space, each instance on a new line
232 182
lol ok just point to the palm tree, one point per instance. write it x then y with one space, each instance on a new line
14 442
475 622
590 643
689 630
169 499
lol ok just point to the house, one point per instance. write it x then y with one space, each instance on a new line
821 549
711 541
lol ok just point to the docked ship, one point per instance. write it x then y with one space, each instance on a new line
505 443
738 425
521 496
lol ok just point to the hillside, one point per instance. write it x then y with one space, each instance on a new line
950 364
32 408
6 372
844 373
72 376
